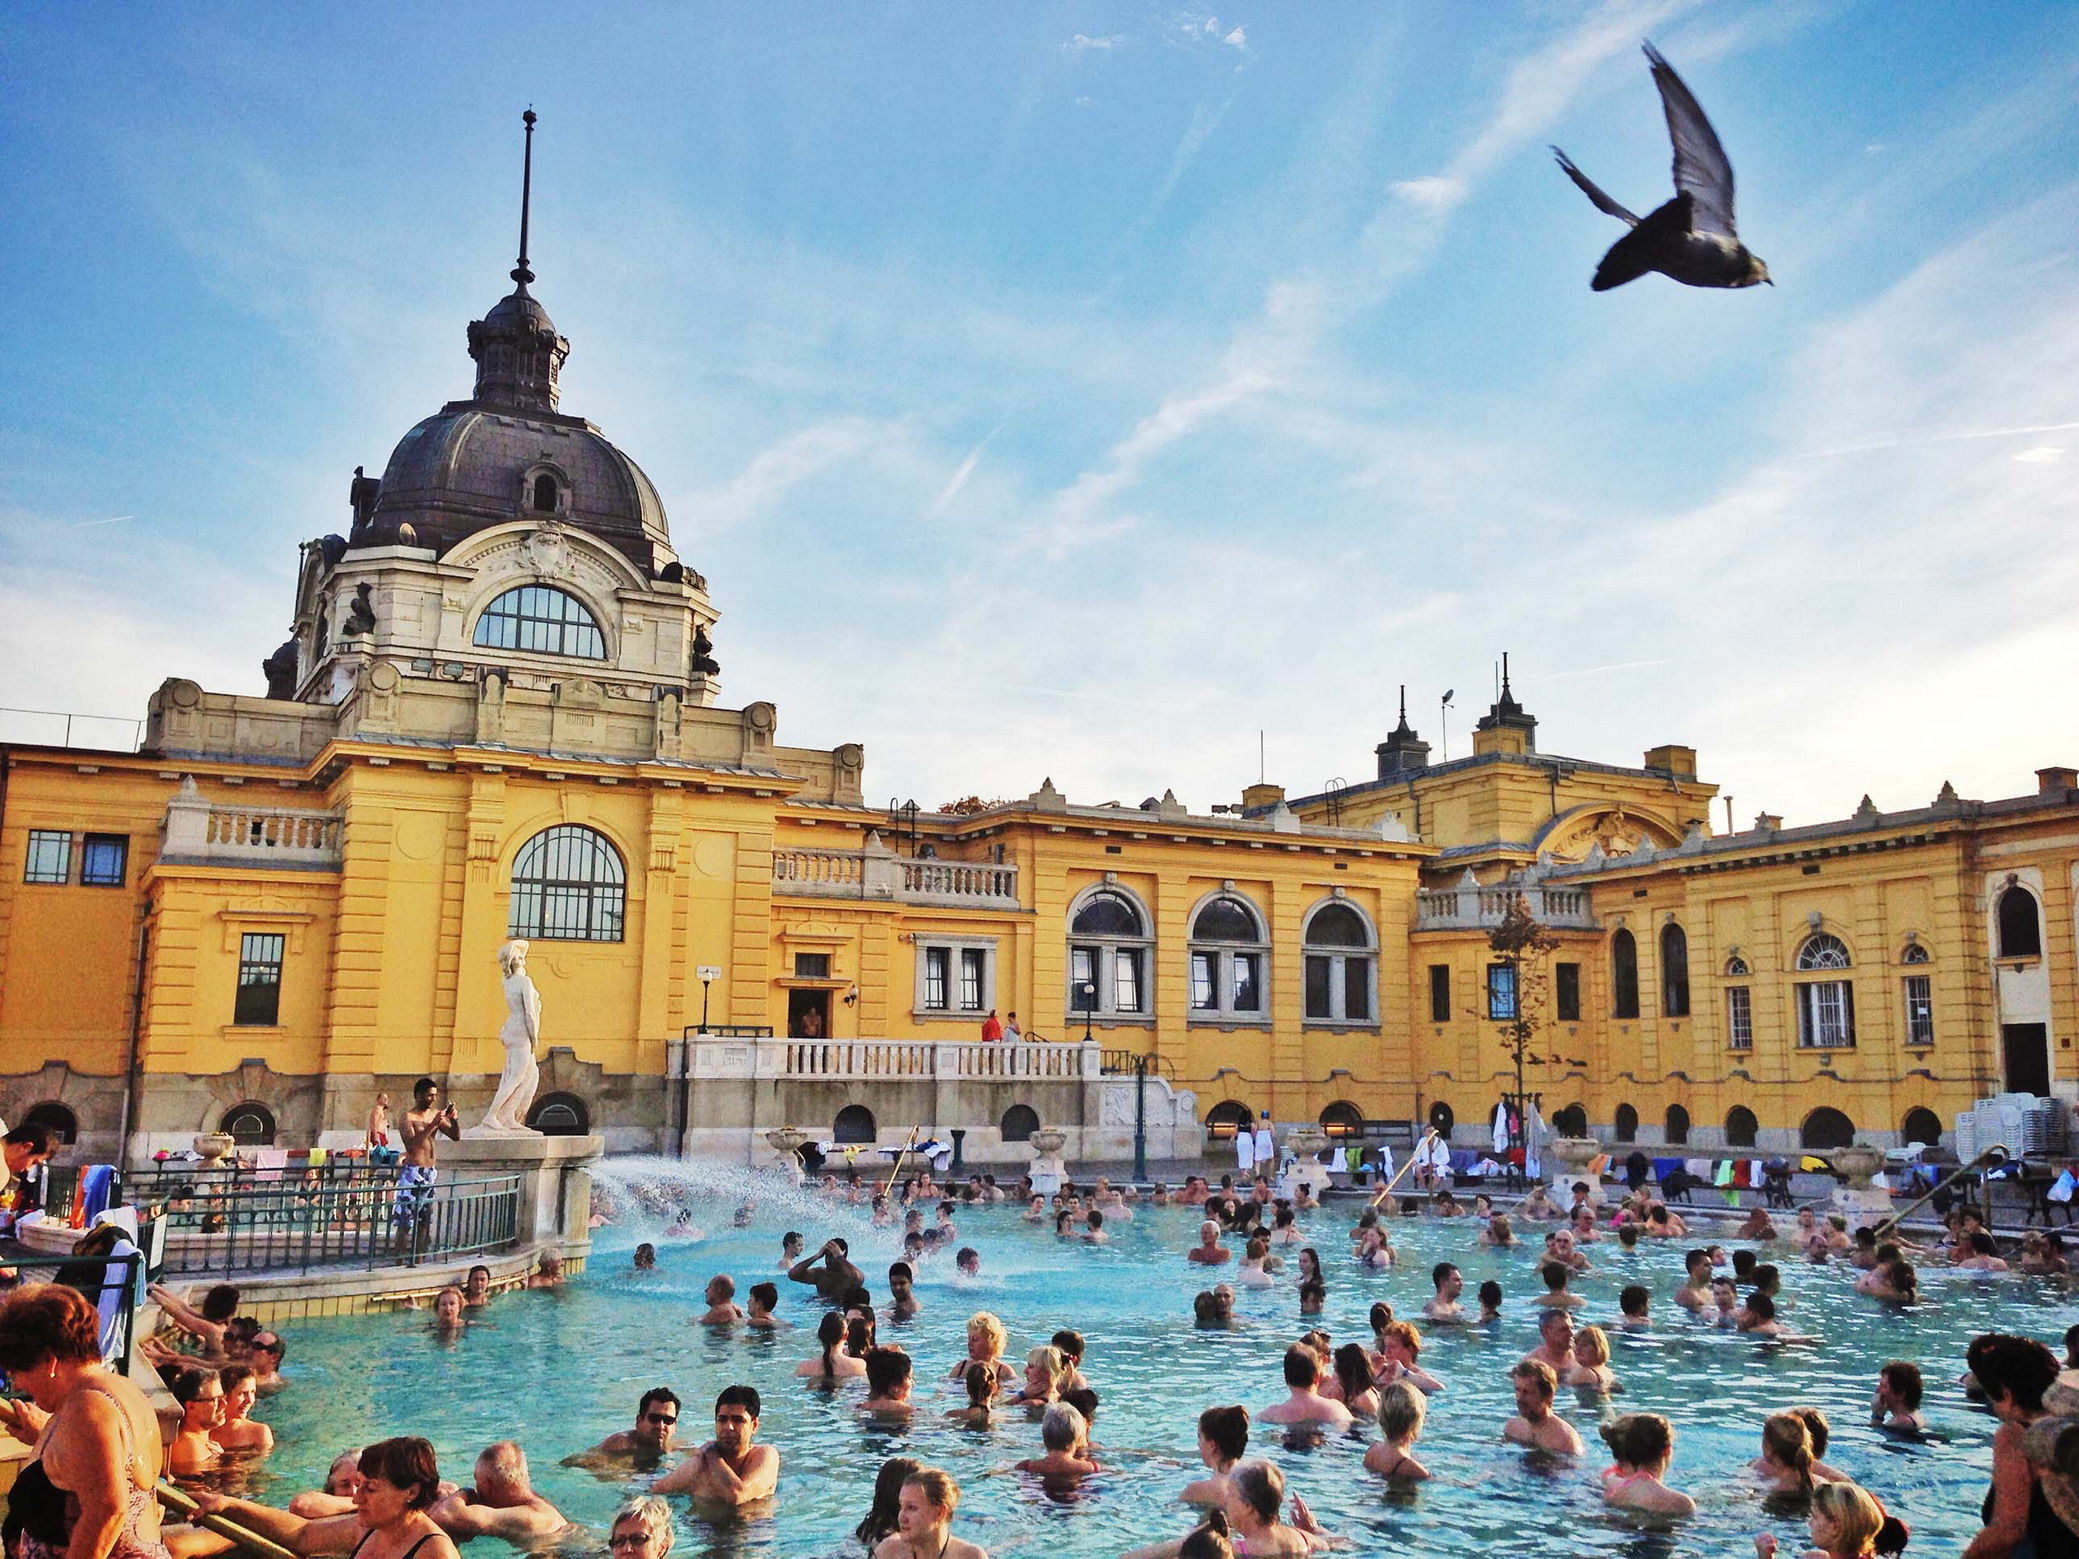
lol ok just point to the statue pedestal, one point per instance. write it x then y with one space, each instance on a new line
1307 1169
1567 1158
1855 1198
1048 1171
555 1178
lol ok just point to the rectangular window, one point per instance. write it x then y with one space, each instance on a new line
259 979
1501 993
1566 990
1204 997
971 979
104 860
1826 1015
937 975
1920 1010
811 966
1248 995
1357 989
1440 993
1082 979
1126 979
50 856
1739 1018
1320 985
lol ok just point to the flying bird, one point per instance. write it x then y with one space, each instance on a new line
1691 238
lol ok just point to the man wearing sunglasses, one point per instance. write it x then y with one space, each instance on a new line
647 1444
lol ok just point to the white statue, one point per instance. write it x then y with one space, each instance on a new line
507 1115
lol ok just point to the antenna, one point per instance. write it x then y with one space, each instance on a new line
520 272
1444 723
1728 816
1262 769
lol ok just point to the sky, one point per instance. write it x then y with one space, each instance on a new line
1094 391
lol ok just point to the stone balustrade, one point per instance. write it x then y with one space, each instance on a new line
877 873
200 831
873 1060
1472 907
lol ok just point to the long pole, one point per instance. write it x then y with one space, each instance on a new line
1991 1158
1387 1189
905 1153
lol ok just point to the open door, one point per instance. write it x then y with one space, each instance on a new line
2025 1049
808 1014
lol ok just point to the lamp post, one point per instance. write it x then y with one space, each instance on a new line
1088 991
708 975
1140 1117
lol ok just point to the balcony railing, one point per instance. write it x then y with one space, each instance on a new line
900 1060
880 874
1469 907
223 833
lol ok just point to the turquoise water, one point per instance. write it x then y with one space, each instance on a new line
558 1371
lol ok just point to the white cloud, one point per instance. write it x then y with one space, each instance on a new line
1434 191
1237 39
775 472
2042 455
1082 42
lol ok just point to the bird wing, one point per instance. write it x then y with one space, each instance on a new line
1603 203
1701 168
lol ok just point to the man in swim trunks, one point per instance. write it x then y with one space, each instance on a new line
829 1272
1555 1342
729 1469
1208 1251
503 1503
422 1125
1304 1404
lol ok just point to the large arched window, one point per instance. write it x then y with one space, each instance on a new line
1674 971
1109 948
1340 961
568 886
1441 1119
1226 1118
1343 1119
1921 1125
250 1125
1624 974
543 621
1675 1128
1825 1007
1571 1121
854 1123
1626 1123
1229 957
1826 1128
1019 1122
559 1115
1919 990
1740 1127
2021 929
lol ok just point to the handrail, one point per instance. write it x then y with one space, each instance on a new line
370 1220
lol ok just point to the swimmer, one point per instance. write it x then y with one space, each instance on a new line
1980 1254
1402 1410
548 1272
968 1262
1583 1228
832 1363
646 1257
1490 1296
1071 1344
1304 1404
1534 1423
1591 1370
1310 1265
1350 1381
1254 1271
790 1249
1223 1440
1894 1282
1756 1225
201 1397
1046 1375
1376 1248
986 1341
681 1227
1725 1300
1093 1228
923 1521
1064 1438
730 1469
1284 1228
647 1443
982 1387
1845 1522
1313 1296
722 1309
1557 1295
1641 1447
828 1271
238 1431
476 1288
1555 1349
1560 1245
1499 1232
902 1293
1787 1463
1208 1251
1444 1308
764 1297
1400 1349
1633 1304
1035 1210
1538 1204
342 1484
888 1372
1897 1402
501 1504
447 1311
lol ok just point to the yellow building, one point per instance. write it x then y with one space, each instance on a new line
499 715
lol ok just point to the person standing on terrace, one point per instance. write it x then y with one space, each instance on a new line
424 1123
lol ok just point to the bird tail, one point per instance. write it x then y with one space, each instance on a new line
1636 253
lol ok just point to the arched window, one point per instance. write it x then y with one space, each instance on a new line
1919 990
1627 1123
1624 974
1674 971
854 1123
1740 1127
1675 1127
1340 964
541 620
1109 950
250 1125
2021 930
1922 1126
1826 1128
1736 968
559 1115
1825 1008
1572 1121
568 886
1441 1119
58 1118
1914 953
1229 955
1343 1119
1226 1118
1020 1121
544 494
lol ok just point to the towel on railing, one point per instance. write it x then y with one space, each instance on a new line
1663 1167
270 1162
317 1157
95 1190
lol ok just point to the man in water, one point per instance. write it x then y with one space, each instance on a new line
721 1302
1304 1404
423 1124
902 1294
1535 1424
729 1469
828 1271
1555 1349
1695 1293
503 1503
1450 1284
647 1444
1208 1251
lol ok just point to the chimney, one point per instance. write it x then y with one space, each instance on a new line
2050 781
1259 797
1674 761
1768 822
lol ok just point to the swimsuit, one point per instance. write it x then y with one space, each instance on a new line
44 1515
408 1553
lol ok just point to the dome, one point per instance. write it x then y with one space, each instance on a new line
471 466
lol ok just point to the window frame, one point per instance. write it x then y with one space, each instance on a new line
1339 963
44 839
1825 1014
259 951
1566 992
1504 1000
1105 950
1739 1017
1674 970
952 954
1920 1009
1440 993
1624 975
89 843
520 617
604 900
1223 962
2001 927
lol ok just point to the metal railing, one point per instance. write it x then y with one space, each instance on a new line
1119 1063
60 728
96 1277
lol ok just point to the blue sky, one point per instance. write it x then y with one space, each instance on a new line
1077 390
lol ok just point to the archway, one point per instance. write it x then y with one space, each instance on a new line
1342 1119
559 1115
1571 1121
1226 1118
854 1123
2021 931
58 1118
1740 1127
1676 1127
249 1125
1019 1122
1921 1125
1826 1127
1441 1120
1627 1123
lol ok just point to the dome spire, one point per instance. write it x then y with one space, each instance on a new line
520 272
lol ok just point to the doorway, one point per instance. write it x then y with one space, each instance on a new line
808 1014
2025 1047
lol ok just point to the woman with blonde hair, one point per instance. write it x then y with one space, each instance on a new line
1846 1522
1402 1410
986 1340
1785 1463
1046 1373
1498 1231
924 1520
1591 1367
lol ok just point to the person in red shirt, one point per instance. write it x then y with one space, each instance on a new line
992 1027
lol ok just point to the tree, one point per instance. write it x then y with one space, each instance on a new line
1523 945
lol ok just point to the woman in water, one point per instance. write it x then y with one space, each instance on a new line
1310 1266
1894 1282
1498 1232
923 1521
399 1481
2014 1372
1641 1447
986 1341
982 1387
1402 1410
1375 1248
1785 1465
1254 1271
1046 1371
887 1500
1591 1367
1846 1522
1255 1492
1035 1210
1223 1439
1351 1383
833 1364
1400 1349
